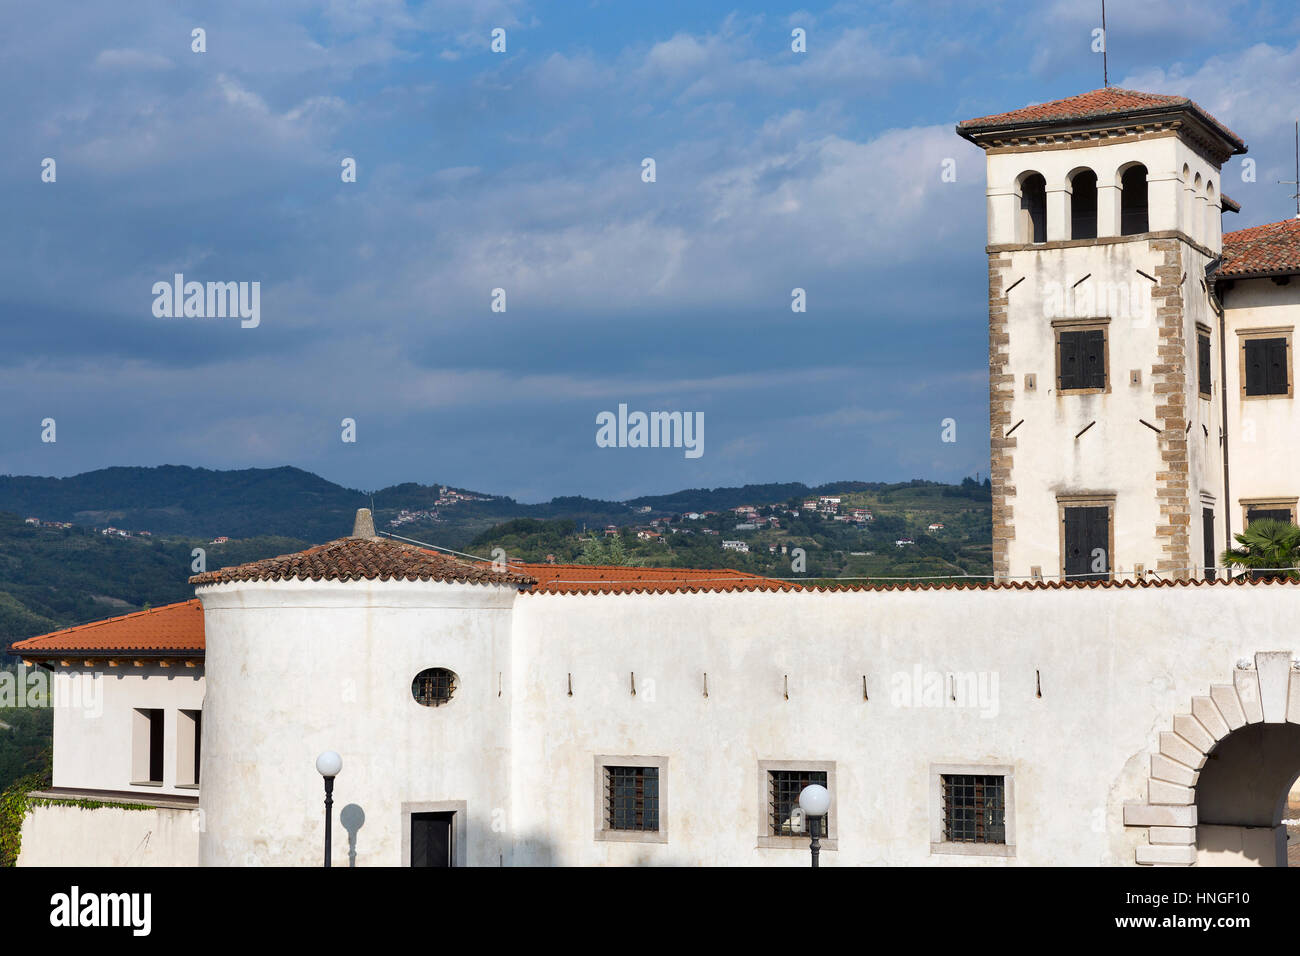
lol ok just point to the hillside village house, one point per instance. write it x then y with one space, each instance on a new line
1111 698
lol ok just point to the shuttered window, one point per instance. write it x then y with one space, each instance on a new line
1082 358
1207 534
1087 543
1203 364
1266 366
1259 514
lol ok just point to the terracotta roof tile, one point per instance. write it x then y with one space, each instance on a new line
1110 101
173 627
608 579
179 627
1270 249
364 559
586 579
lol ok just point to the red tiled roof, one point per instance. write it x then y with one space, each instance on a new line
177 629
1271 249
1095 104
363 559
609 579
172 628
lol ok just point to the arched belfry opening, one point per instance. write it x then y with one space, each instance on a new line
1033 208
1083 205
1242 796
1133 217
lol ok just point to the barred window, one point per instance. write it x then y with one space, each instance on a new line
632 798
433 687
974 808
783 788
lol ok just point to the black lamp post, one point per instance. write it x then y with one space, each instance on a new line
815 802
328 765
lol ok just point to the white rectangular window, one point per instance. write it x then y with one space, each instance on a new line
632 799
779 784
972 809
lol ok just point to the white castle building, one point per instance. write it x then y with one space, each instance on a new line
1112 698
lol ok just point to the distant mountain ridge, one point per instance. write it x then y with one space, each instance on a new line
291 502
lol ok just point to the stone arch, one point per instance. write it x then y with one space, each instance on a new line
1264 692
1134 199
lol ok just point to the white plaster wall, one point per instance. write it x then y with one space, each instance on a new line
109 836
1264 433
296 668
1115 667
1118 454
93 723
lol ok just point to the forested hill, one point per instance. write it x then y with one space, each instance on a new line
289 502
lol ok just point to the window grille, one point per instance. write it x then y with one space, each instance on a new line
632 798
784 787
433 687
974 808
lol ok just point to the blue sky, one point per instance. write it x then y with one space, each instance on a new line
522 170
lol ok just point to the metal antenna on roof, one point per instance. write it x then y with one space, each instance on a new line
1105 67
1295 182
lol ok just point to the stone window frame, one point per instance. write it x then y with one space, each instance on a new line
766 839
1085 324
1271 332
459 825
1274 502
603 832
940 846
1092 499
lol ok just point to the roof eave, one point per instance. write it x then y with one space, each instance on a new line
105 654
1230 139
1260 273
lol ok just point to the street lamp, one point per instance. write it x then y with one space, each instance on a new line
815 802
328 765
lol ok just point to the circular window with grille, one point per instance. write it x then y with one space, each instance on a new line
433 687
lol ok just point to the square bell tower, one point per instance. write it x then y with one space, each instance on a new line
1105 349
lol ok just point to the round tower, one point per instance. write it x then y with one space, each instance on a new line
395 657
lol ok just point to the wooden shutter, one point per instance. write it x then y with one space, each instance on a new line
1275 358
1070 359
1207 534
1094 358
1203 362
1076 564
1097 537
1256 380
1260 514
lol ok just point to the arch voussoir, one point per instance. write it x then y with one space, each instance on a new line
1178 748
1194 732
1246 682
1207 712
1162 768
1229 704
